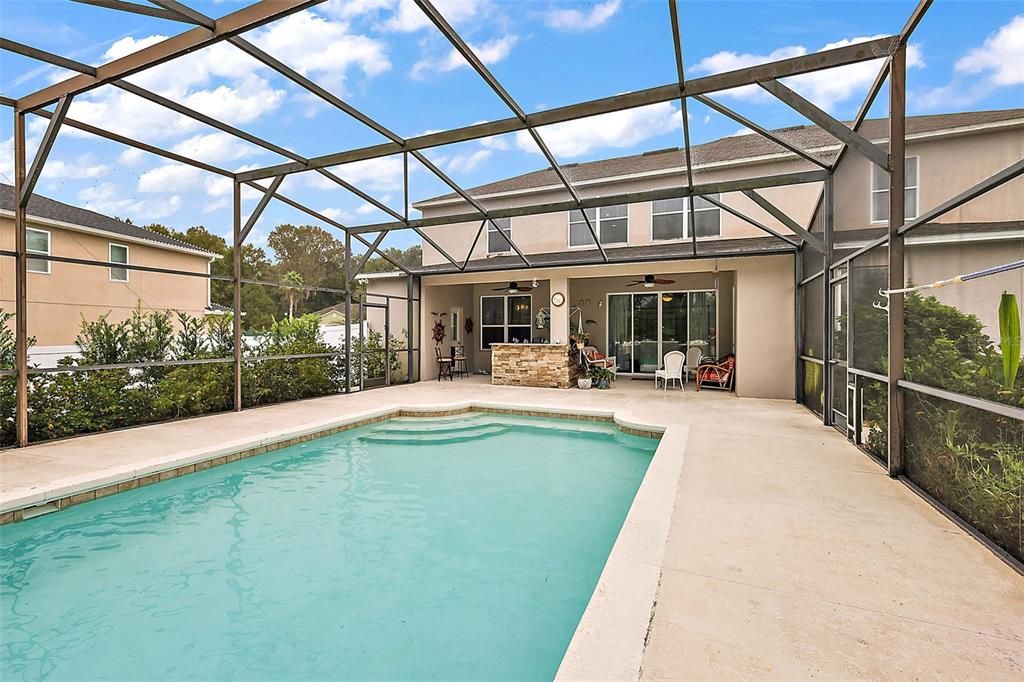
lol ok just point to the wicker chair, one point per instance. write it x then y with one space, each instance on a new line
720 374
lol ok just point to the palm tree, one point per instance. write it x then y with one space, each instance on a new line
294 288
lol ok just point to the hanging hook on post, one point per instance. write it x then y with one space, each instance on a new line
882 306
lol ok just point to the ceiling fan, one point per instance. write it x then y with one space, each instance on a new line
649 281
513 288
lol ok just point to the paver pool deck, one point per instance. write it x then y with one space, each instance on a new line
790 554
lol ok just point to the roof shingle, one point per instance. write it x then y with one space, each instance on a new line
731 148
51 209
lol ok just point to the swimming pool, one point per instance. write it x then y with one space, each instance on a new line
462 547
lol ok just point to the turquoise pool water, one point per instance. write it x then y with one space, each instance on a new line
457 548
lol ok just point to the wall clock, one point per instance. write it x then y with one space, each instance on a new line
557 298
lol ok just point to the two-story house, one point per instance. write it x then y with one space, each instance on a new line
62 294
738 294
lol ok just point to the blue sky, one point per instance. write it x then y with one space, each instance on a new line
386 59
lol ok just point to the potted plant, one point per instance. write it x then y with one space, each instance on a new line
584 382
601 377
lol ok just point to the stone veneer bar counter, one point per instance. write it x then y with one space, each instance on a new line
545 365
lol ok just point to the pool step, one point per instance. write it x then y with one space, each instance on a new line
444 438
429 428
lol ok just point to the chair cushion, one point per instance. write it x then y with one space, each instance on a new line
594 355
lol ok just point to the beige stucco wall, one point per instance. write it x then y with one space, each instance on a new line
930 262
549 232
946 166
58 301
949 164
763 335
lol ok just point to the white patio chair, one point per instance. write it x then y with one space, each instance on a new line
674 368
693 356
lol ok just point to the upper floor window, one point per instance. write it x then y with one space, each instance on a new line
118 254
670 219
610 222
880 192
38 242
499 232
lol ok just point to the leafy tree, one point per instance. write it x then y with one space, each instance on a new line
410 257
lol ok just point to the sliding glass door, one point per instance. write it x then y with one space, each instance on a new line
643 326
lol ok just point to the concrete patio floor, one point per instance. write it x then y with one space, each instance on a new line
791 555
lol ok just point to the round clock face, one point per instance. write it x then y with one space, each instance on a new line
557 298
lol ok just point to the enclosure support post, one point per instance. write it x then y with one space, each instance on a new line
828 351
20 283
897 179
236 281
798 276
387 341
348 313
410 292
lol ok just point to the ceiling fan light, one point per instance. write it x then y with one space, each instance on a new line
648 285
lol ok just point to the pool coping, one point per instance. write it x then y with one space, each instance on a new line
610 638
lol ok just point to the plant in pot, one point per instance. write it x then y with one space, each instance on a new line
601 377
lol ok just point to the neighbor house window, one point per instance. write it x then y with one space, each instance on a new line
505 319
880 192
670 218
499 232
610 223
119 254
38 242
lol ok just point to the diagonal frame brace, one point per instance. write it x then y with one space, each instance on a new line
467 53
45 145
260 207
366 256
834 127
814 241
747 219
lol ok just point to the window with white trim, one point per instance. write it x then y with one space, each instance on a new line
505 319
707 217
670 218
499 232
610 222
880 192
118 254
38 242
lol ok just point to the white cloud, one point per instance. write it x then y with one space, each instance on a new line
380 174
215 147
131 156
491 52
998 62
617 129
825 88
175 178
107 199
349 9
1000 58
577 20
468 161
82 168
224 82
408 17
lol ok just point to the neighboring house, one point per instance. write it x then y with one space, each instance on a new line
62 294
738 295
